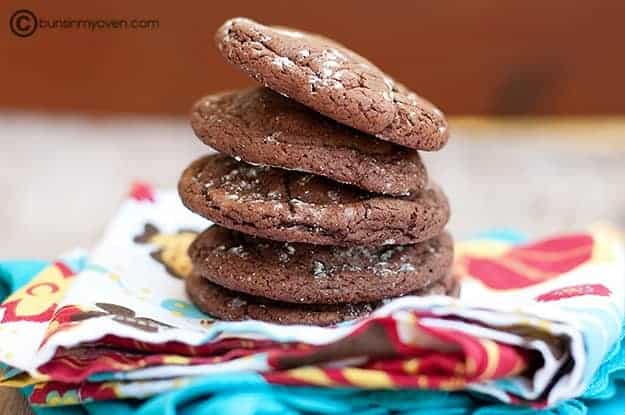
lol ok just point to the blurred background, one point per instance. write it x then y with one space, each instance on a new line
480 57
534 91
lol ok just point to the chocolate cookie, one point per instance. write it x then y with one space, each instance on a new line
262 127
314 274
229 305
334 81
299 207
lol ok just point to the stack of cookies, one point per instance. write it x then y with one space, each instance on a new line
322 205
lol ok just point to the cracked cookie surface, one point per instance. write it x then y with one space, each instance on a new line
262 127
230 305
316 274
300 207
334 81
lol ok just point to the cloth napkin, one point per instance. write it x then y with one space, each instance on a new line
534 323
248 395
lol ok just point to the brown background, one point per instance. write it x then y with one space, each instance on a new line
469 57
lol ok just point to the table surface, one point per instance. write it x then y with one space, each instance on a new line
62 177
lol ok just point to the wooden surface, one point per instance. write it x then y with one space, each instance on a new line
12 403
468 57
62 178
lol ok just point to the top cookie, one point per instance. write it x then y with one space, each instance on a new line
334 81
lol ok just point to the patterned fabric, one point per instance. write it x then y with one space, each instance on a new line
533 323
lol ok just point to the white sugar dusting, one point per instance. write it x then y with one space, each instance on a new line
328 68
239 251
333 195
303 181
388 253
237 302
389 83
388 96
379 262
282 62
291 33
318 269
253 172
274 195
356 311
243 183
333 54
271 138
325 79
343 73
382 269
298 203
231 175
285 255
289 248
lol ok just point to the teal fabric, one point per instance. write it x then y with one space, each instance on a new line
14 274
249 394
613 405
